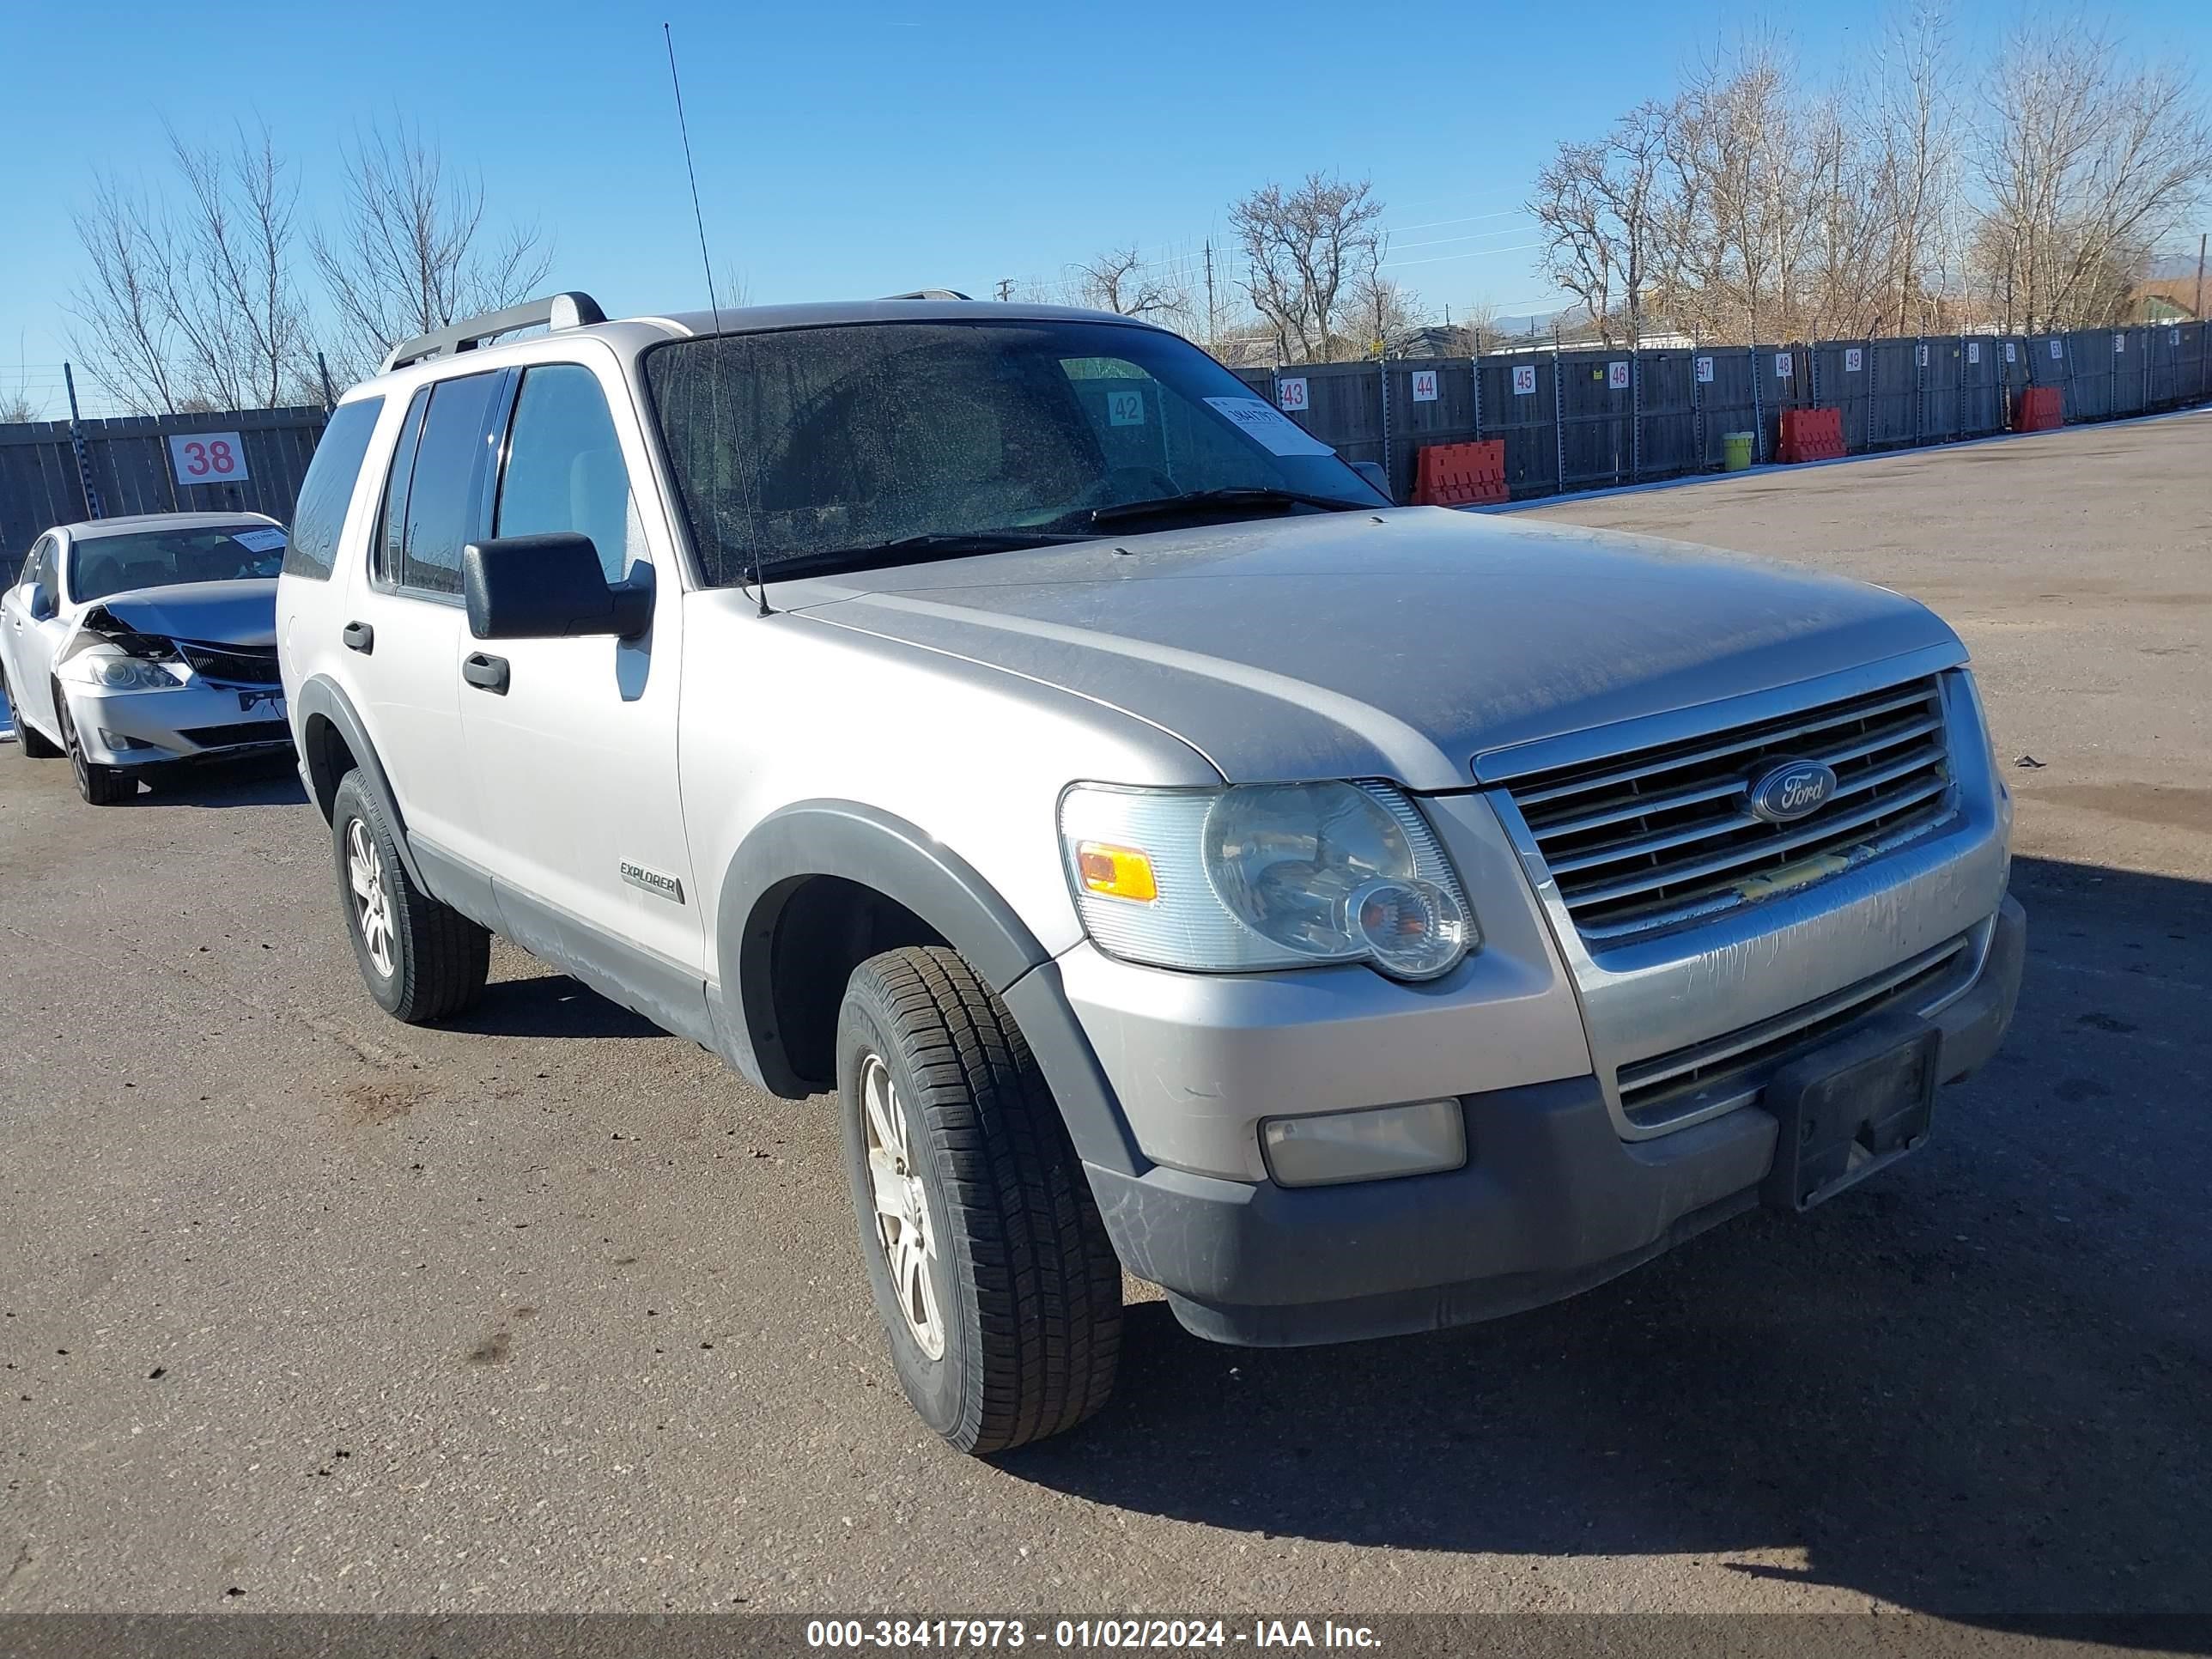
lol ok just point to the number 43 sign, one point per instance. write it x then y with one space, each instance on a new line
206 457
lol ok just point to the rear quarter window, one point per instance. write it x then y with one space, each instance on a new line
319 517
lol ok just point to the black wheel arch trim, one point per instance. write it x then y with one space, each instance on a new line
322 698
904 863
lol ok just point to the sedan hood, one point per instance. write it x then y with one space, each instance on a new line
240 613
1396 644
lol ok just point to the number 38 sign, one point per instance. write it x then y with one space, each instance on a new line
206 457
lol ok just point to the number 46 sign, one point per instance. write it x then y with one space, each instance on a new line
206 457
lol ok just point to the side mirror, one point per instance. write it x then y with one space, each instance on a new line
1375 477
549 587
41 603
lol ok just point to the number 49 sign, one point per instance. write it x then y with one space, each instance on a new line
206 457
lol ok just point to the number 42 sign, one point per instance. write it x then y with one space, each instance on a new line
206 457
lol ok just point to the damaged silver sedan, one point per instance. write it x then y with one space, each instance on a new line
137 644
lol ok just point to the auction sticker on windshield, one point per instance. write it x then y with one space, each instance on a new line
1279 435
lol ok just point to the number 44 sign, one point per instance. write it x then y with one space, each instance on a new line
206 457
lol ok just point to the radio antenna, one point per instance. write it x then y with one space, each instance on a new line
714 304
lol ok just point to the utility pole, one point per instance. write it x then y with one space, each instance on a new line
1005 288
2201 238
323 369
1210 312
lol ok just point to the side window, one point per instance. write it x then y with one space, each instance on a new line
564 468
442 497
45 566
392 523
319 516
30 571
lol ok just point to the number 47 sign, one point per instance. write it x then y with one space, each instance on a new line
206 457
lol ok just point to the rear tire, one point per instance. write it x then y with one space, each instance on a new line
996 1285
101 785
422 960
36 746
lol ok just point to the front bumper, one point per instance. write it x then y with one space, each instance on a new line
1552 1201
196 721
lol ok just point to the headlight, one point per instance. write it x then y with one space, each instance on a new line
1264 875
108 667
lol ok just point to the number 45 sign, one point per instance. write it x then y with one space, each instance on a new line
206 457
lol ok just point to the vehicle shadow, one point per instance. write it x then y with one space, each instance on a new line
265 781
1979 1386
550 1005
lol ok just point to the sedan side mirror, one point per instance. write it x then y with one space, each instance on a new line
1377 477
41 603
550 587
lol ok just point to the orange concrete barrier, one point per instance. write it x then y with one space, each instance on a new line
1812 434
1460 475
2040 410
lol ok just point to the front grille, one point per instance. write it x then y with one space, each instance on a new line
1659 837
231 665
239 731
1732 1068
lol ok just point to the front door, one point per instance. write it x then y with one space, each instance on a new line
575 757
29 642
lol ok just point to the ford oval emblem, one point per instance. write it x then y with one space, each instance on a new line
1791 791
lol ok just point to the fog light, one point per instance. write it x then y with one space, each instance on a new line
1370 1144
115 742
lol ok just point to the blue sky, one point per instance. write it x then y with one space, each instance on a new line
852 148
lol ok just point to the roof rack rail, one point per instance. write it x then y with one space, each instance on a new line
930 293
569 310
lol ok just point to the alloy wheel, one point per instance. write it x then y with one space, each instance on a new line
904 1225
372 903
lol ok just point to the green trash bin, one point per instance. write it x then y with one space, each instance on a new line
1736 452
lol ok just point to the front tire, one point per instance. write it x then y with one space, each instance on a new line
997 1289
422 960
101 785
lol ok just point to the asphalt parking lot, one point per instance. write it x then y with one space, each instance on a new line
307 1311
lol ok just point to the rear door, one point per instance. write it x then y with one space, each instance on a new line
575 760
406 624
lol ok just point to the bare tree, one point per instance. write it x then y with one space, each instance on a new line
1120 281
1915 176
1302 248
1600 205
190 293
1383 310
2088 163
122 333
412 252
16 408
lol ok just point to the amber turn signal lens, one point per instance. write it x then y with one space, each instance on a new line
1118 872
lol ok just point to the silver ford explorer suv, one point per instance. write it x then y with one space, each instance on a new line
1174 858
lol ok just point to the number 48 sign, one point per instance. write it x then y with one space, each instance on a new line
206 457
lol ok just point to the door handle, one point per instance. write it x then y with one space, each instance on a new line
359 636
489 673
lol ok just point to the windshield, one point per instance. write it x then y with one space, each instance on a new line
101 565
797 446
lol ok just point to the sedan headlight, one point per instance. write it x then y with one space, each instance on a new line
117 670
1264 875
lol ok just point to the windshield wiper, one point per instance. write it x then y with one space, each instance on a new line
914 550
1255 495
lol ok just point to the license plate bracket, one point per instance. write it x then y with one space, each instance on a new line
1850 1107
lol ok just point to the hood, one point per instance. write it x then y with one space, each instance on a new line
1397 644
240 613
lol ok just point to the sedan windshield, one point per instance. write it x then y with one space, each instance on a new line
829 448
103 565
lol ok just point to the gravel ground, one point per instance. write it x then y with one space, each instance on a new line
305 1310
